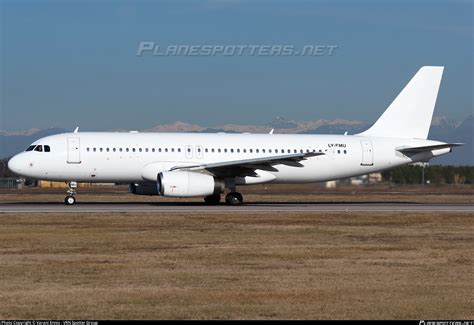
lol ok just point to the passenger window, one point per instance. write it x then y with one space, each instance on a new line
238 150
30 148
263 150
152 149
107 149
120 149
250 150
345 151
245 150
140 150
100 149
88 149
179 149
232 150
256 150
219 150
212 149
113 149
166 149
94 149
133 149
127 150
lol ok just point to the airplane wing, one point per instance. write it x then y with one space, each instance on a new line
246 167
429 148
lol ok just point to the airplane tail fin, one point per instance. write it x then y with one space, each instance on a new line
410 114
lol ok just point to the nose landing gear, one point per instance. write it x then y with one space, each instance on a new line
70 199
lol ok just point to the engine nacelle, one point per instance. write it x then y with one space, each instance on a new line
143 188
188 184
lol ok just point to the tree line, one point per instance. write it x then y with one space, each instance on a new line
432 174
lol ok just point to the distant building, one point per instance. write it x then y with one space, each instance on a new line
357 181
46 184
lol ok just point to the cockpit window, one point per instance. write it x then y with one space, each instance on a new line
39 148
30 148
47 148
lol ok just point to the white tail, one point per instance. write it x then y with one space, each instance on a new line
410 114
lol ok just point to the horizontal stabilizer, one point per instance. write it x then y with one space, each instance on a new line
429 148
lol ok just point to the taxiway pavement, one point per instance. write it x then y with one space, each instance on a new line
253 207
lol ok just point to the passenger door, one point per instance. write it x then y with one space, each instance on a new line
73 151
367 153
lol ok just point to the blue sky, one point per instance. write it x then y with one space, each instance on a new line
68 63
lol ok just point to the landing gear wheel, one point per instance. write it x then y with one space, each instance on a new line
234 198
213 199
70 200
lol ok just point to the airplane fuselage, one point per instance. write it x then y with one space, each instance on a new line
138 157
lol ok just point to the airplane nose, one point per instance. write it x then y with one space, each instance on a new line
14 164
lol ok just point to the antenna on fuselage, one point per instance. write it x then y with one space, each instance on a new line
271 131
76 129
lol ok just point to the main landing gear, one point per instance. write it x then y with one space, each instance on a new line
70 199
233 198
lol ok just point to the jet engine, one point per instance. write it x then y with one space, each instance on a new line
188 184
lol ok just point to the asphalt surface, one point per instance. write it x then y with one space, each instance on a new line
253 207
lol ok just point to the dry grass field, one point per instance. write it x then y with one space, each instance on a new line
259 266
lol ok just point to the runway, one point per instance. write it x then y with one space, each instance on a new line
254 207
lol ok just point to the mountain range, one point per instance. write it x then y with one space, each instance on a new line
442 129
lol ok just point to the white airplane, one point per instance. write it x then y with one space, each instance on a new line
192 165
